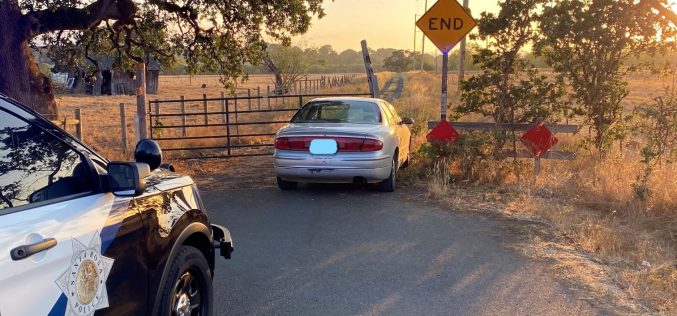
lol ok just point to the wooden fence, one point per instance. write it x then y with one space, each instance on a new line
76 121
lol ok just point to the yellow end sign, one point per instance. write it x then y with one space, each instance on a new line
446 23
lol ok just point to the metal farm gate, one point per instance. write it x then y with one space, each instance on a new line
224 127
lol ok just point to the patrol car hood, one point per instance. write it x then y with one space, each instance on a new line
164 180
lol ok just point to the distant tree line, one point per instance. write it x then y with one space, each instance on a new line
325 59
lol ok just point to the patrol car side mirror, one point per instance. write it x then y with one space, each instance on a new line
149 152
127 178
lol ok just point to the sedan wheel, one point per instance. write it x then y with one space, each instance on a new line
388 185
286 185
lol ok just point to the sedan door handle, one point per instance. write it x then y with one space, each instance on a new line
25 251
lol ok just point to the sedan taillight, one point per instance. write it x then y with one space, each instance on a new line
344 144
293 143
372 145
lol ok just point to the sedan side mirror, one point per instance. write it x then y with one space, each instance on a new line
127 178
408 121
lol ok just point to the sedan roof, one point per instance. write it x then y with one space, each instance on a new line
375 100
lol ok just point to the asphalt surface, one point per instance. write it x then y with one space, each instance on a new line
341 250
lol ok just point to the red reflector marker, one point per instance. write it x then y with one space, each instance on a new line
443 132
539 140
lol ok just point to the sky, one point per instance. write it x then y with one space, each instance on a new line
383 23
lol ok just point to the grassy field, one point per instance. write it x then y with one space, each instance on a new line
615 245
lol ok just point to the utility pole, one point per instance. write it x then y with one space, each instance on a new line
415 30
423 39
461 55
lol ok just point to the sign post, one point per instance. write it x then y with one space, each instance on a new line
445 86
446 23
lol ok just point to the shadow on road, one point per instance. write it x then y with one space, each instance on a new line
346 250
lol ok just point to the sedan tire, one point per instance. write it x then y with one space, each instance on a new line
286 185
388 185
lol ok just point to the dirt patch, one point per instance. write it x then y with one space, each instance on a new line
233 173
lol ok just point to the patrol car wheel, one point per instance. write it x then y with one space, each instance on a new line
188 291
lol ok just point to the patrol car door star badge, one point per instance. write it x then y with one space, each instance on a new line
84 282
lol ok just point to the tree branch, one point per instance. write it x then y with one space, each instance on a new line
68 18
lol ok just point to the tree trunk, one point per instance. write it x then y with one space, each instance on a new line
20 76
280 89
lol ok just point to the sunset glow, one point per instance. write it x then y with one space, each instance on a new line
383 23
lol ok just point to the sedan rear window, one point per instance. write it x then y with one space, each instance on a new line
339 111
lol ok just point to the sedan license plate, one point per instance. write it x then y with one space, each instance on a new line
323 147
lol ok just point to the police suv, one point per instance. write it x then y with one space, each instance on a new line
81 235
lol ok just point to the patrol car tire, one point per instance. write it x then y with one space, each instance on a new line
189 264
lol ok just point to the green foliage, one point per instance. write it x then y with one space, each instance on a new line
288 63
587 42
471 157
210 36
468 151
509 89
656 124
399 61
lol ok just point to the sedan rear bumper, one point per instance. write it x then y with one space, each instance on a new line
342 168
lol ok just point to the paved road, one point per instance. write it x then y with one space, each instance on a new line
336 250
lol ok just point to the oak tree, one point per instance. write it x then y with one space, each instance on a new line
211 35
589 44
509 89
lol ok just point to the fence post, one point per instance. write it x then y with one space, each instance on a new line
223 107
249 98
258 96
268 96
156 122
228 127
537 167
183 116
204 103
123 128
237 127
78 128
141 100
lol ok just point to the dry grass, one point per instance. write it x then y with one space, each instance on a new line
590 201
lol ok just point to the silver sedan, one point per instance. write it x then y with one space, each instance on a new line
343 140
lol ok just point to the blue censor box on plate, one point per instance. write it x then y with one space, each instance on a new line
323 147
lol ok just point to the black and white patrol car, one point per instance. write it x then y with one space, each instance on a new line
81 235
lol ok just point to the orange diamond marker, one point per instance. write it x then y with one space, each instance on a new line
446 23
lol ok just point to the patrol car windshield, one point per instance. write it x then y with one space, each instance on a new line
335 111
